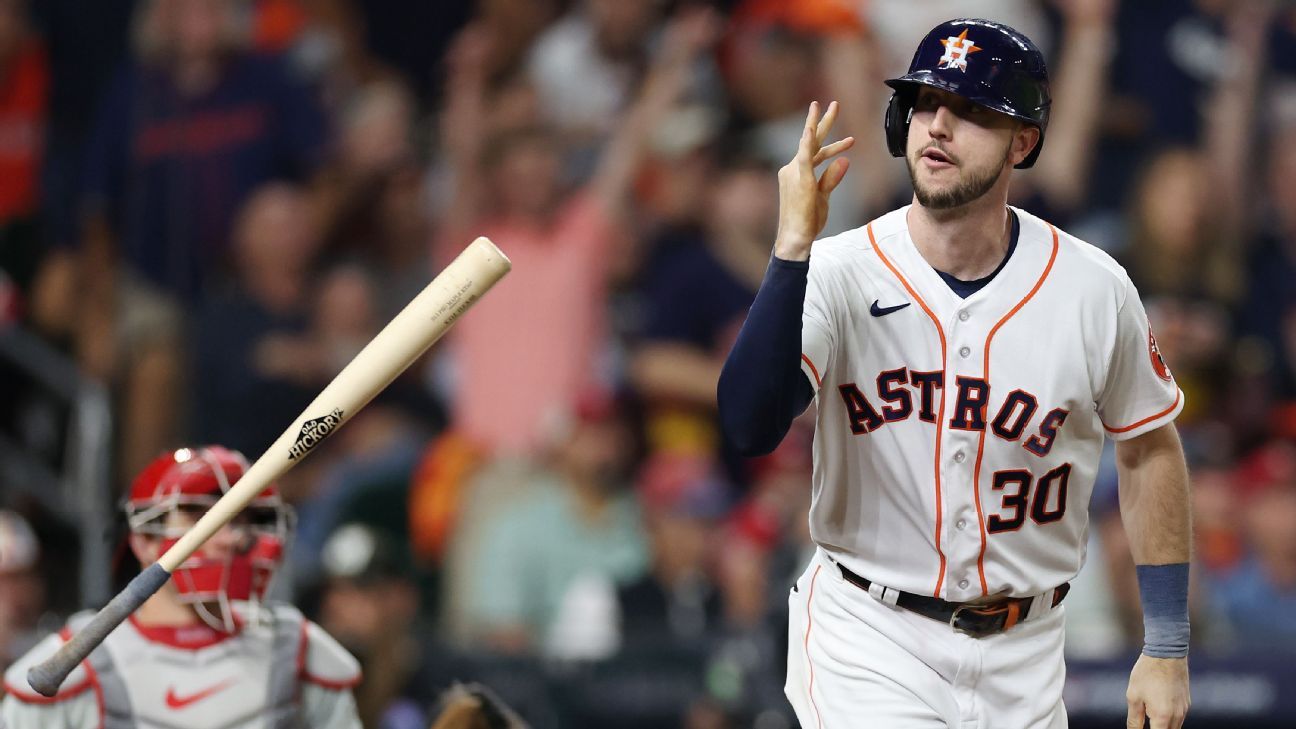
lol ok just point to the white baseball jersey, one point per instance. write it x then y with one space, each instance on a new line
278 672
958 439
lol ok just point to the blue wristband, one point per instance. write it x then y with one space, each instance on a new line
1163 589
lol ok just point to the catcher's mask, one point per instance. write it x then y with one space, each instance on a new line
175 490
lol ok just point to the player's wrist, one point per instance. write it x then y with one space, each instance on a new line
1166 640
1163 590
792 249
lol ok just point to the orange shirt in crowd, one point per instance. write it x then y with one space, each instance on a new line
526 350
24 91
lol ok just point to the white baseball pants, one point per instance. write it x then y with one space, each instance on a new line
854 661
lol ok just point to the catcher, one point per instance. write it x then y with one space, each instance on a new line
205 651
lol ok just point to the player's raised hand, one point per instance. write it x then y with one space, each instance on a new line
1158 691
803 197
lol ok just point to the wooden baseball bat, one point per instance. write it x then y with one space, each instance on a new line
395 348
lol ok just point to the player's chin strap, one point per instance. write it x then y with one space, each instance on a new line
224 622
974 619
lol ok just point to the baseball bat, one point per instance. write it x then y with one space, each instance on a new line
395 348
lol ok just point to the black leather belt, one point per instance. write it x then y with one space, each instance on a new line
974 619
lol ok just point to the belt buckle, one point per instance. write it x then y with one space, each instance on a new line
970 630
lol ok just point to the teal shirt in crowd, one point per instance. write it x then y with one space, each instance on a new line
537 547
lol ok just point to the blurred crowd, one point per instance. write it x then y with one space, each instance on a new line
211 205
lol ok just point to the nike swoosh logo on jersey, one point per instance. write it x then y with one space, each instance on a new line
176 701
876 310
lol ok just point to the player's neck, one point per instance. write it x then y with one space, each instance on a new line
163 609
968 242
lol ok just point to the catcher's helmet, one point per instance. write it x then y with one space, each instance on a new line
193 479
987 63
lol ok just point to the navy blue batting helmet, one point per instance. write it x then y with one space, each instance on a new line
985 62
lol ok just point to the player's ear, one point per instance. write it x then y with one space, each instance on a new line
1024 140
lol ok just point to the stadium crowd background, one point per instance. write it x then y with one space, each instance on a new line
209 206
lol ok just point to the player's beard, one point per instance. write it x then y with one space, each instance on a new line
965 191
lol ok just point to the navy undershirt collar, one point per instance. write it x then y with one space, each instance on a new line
965 289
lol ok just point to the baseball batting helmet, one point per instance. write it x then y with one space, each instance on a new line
985 62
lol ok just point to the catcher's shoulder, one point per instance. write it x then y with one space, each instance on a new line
327 663
15 677
323 660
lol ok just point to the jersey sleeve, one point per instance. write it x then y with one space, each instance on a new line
327 663
75 704
328 673
327 708
818 342
1139 392
73 713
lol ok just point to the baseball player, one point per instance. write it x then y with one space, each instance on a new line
968 360
203 652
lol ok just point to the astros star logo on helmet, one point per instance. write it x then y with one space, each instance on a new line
957 49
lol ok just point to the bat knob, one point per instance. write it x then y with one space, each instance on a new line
46 679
